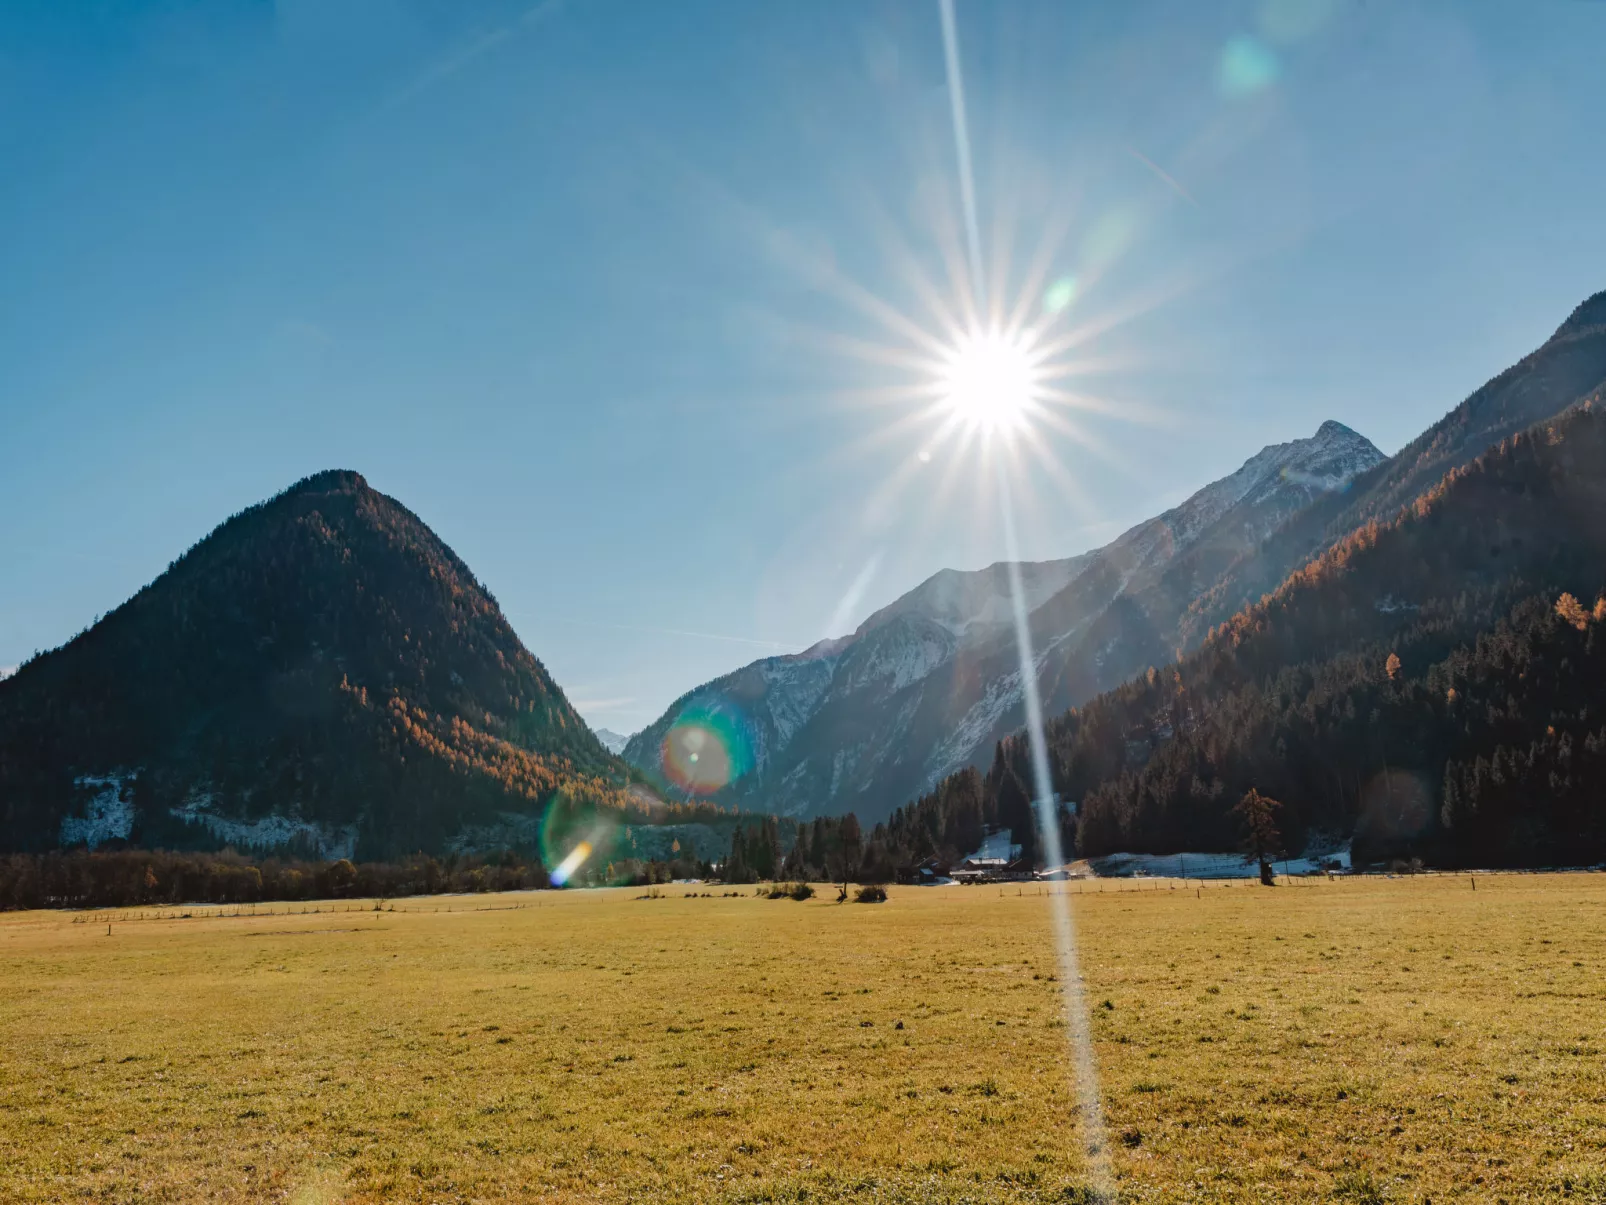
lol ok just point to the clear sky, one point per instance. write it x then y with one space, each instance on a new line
582 282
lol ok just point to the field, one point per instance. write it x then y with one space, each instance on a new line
1362 1040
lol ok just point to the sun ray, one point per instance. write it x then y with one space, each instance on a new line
1141 414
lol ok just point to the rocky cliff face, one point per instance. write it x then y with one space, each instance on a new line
926 684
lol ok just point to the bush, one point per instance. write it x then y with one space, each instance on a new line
871 895
788 891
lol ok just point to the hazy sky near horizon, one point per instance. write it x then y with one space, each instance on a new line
588 284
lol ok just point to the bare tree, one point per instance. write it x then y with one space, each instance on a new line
846 856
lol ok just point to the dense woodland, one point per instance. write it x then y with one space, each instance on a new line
943 827
1435 685
322 656
137 877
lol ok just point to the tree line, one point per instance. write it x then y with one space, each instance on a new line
942 826
134 877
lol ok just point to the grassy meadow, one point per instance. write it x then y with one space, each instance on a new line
1362 1040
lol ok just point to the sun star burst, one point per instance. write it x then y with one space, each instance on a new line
990 381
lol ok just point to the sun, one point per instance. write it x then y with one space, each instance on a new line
989 381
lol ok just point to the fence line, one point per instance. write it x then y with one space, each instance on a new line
1125 885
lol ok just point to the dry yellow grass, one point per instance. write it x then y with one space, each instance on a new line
1398 1040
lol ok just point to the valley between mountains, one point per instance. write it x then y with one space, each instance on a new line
322 674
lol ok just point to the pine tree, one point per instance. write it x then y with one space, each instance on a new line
1262 841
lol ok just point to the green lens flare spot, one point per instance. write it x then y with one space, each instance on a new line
1059 295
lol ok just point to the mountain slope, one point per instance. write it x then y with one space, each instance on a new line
319 670
1569 365
1431 682
951 686
926 684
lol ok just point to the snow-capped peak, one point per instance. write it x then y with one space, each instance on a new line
612 741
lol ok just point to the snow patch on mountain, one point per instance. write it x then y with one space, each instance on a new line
1000 696
612 741
769 700
808 715
268 832
975 603
1276 480
108 812
893 655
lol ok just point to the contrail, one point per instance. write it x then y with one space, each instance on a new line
1086 1075
1164 175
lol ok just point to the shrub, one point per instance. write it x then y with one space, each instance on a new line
871 895
787 891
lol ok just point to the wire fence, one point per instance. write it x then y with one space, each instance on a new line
1146 884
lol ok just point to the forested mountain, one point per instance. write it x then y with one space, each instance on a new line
320 672
929 683
1569 365
1432 682
1434 685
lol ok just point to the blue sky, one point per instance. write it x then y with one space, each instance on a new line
579 281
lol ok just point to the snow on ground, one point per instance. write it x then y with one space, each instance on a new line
1208 866
998 845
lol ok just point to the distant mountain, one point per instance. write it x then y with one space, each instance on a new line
612 741
320 672
928 683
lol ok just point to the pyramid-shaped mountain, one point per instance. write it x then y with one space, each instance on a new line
320 673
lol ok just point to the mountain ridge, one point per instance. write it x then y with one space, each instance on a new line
1395 686
321 668
951 638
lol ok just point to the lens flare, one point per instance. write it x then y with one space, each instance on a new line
578 837
706 748
565 869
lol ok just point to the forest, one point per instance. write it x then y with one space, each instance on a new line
160 878
1434 685
322 656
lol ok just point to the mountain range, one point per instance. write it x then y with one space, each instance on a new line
1431 683
930 683
322 674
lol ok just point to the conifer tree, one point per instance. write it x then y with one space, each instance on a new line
1262 841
